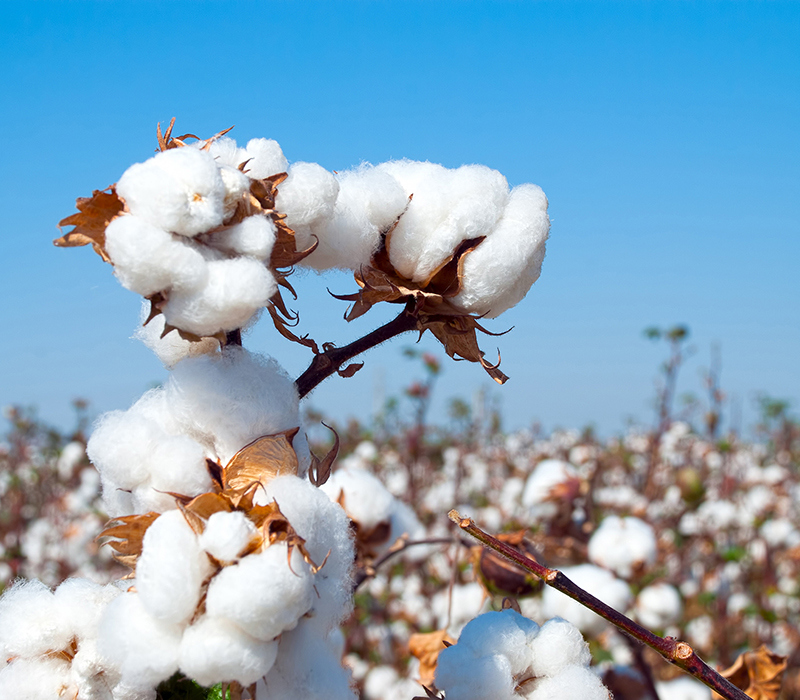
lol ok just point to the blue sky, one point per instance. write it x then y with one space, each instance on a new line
665 134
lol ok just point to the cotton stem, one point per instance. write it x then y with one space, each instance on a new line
673 650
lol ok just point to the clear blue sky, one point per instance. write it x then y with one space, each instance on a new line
665 134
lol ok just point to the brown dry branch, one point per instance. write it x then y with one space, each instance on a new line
673 650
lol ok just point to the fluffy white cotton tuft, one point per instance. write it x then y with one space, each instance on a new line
179 190
464 676
507 633
542 489
658 606
601 583
500 271
559 644
306 196
171 569
266 158
214 650
262 594
573 683
235 290
170 348
147 259
226 534
29 621
36 679
623 545
253 236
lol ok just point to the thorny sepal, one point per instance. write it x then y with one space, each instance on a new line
94 215
429 301
126 534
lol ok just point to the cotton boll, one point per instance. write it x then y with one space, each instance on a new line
463 676
261 593
600 583
226 534
179 190
369 202
448 207
559 644
80 602
366 499
235 290
237 187
36 679
623 545
573 683
170 348
549 476
29 621
658 606
254 236
171 569
228 400
266 158
500 271
144 648
326 530
306 196
225 151
147 259
507 633
214 650
179 466
309 666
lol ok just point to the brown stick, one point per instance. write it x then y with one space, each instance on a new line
326 363
673 650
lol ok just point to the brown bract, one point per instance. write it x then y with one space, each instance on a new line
235 488
758 673
432 308
426 647
95 213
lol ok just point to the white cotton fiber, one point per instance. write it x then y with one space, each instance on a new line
228 400
29 621
262 594
500 271
170 348
237 189
308 195
683 688
326 530
80 603
559 644
147 259
254 236
369 202
179 190
226 152
658 606
214 650
266 158
366 499
235 290
36 679
448 207
573 683
506 632
623 545
144 648
544 482
178 465
464 676
226 534
171 569
600 583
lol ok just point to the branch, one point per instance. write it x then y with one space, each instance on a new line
326 363
673 650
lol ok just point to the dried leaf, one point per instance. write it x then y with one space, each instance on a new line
350 370
758 673
426 648
261 461
320 469
127 534
95 213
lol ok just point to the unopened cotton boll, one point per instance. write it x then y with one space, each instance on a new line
499 272
144 648
253 236
369 202
226 534
234 291
448 207
214 650
262 594
603 584
623 545
559 644
266 158
228 400
658 606
147 259
171 569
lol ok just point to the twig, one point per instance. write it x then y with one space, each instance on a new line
326 363
673 650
